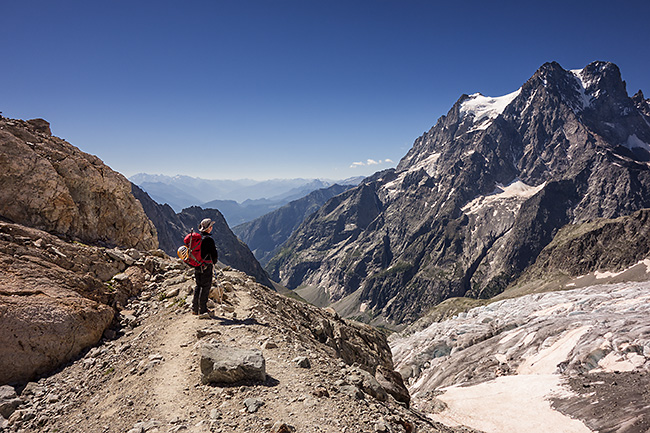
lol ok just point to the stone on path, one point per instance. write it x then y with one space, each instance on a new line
223 364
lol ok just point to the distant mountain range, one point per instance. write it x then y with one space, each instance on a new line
477 198
266 234
238 200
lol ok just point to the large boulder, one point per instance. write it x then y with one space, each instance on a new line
49 184
54 299
45 327
223 364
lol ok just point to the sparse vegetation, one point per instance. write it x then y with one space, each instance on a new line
397 268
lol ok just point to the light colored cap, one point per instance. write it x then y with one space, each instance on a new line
205 224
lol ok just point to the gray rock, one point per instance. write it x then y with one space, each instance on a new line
253 404
352 391
121 277
381 426
280 427
146 426
9 401
302 362
200 333
392 382
172 293
268 344
367 383
223 364
134 254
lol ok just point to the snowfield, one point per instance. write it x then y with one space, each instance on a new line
500 367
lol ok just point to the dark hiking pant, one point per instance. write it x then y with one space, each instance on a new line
203 277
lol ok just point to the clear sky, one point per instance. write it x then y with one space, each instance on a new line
286 88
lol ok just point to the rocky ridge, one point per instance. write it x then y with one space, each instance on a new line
51 185
477 197
322 373
58 298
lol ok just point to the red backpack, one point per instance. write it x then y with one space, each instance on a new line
190 253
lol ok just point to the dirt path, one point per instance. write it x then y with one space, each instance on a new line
171 390
178 372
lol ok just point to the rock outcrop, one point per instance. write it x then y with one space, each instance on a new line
477 197
51 185
604 246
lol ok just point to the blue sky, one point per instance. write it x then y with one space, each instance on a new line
286 88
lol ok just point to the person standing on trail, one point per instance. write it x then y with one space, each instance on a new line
203 273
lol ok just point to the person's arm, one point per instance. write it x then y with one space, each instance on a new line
212 251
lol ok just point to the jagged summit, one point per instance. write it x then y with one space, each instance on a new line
478 196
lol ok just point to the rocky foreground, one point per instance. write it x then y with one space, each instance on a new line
148 374
568 361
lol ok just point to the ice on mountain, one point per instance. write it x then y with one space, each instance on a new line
485 108
516 188
634 141
585 99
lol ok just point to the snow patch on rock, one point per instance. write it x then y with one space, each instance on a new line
633 142
585 99
484 109
516 189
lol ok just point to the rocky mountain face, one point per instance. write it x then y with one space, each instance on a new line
478 197
47 183
172 228
590 251
266 234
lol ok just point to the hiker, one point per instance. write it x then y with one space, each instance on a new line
203 273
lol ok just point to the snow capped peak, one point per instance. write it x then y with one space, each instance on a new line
485 108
